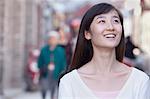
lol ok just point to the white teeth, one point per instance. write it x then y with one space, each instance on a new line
110 35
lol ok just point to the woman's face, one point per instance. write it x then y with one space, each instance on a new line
105 30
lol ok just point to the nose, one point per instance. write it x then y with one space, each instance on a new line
110 26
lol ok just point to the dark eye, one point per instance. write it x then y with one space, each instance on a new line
101 21
116 21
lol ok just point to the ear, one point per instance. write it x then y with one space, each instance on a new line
87 35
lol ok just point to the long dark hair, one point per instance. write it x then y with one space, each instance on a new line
84 50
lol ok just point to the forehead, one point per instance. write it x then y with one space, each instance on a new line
110 13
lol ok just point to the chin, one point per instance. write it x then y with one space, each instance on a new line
107 44
110 45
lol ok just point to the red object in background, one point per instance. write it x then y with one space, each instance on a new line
32 66
32 71
75 23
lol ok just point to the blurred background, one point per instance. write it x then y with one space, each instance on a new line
25 23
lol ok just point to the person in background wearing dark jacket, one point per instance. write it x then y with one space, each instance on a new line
51 63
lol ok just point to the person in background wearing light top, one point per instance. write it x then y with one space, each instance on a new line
51 63
97 71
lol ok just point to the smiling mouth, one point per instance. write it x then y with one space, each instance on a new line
112 35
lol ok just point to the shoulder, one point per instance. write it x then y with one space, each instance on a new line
140 73
141 84
140 76
60 48
136 73
44 48
68 77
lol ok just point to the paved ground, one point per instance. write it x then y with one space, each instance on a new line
27 95
20 94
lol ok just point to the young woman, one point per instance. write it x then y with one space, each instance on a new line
97 71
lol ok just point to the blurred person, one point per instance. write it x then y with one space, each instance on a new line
133 54
68 37
130 57
130 46
97 61
51 62
66 41
31 71
62 40
143 62
75 24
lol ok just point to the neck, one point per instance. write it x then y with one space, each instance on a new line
52 47
104 60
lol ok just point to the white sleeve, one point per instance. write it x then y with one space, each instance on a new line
64 90
145 90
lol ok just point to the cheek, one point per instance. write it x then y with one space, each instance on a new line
119 29
97 30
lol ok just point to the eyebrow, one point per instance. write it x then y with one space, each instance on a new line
105 17
116 16
100 17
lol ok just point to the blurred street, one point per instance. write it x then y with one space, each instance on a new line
25 27
20 94
28 95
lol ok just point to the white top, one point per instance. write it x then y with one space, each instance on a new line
71 86
106 95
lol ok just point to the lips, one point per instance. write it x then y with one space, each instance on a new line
110 35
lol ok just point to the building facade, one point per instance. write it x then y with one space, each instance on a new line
1 43
19 32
